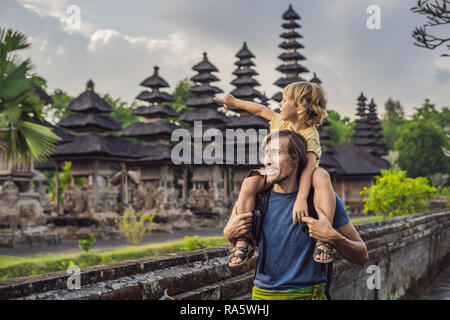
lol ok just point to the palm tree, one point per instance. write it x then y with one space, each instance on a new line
23 139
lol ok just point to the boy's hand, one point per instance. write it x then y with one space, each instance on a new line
229 101
300 210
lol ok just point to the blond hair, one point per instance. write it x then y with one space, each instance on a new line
312 97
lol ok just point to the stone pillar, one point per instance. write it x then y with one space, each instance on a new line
124 184
57 187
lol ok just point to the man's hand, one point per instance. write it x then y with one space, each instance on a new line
321 228
238 225
300 210
229 102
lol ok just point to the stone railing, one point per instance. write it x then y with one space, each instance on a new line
409 252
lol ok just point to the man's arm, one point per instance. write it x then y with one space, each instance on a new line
345 239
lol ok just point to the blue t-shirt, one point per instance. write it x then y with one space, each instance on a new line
289 253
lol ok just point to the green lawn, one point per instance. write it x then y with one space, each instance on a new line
12 267
366 219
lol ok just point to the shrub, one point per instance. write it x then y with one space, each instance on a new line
135 225
394 194
86 245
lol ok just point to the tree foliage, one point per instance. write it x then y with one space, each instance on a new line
340 128
394 194
392 120
437 13
20 106
421 146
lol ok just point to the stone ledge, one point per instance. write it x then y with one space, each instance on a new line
204 273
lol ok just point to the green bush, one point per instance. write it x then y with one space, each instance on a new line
394 194
86 245
135 225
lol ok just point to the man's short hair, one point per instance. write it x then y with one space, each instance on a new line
297 147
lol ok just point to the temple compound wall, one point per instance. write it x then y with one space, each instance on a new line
405 254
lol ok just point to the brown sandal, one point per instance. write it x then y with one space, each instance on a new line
329 252
245 255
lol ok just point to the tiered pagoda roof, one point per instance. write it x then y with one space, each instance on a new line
205 108
377 135
155 131
328 159
315 79
290 67
245 89
363 135
89 122
368 133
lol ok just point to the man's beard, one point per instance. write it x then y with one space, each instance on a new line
278 179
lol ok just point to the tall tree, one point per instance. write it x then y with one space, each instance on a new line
421 146
181 95
437 13
58 109
340 128
392 120
19 105
122 113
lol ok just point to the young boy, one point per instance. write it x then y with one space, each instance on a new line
303 108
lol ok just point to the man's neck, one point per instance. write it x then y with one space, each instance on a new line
287 186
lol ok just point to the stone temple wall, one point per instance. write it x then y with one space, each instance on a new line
409 251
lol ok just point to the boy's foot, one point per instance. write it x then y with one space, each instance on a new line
241 253
323 253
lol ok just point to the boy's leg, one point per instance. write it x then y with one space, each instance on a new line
246 203
324 198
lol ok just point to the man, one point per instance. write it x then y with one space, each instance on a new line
289 271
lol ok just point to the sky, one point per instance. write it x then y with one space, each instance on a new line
118 43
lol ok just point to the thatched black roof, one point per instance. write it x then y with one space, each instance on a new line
291 45
42 94
155 81
89 122
245 72
146 130
355 161
290 25
315 79
89 102
97 146
205 65
247 120
244 53
292 67
156 153
204 78
202 103
286 56
290 14
246 93
155 97
290 35
210 116
205 89
155 111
